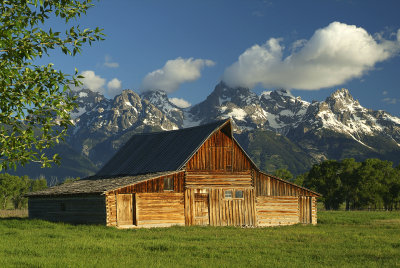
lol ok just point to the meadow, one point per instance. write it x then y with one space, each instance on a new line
341 239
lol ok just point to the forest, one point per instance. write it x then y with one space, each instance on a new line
371 184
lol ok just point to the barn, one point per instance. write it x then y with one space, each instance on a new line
193 176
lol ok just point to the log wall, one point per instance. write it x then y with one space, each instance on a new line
277 210
80 209
205 179
159 209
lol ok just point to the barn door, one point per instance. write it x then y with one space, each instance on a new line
125 211
305 205
201 215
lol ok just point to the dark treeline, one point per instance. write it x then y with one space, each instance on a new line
372 184
13 189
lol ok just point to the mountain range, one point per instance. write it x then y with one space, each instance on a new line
277 129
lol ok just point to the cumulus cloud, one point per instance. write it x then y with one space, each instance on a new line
332 56
92 81
108 62
181 103
96 83
114 87
174 73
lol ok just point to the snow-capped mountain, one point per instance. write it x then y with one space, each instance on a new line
334 128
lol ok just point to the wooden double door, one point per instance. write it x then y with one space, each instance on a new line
201 209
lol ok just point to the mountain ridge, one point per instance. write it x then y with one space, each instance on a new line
277 129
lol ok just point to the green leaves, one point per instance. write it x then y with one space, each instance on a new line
373 183
34 100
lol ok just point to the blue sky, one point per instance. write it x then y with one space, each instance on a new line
189 46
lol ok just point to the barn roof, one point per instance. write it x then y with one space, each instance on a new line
159 151
99 185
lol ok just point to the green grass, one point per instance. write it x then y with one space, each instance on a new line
341 239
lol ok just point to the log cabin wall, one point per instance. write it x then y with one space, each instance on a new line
277 210
77 209
150 186
159 209
282 203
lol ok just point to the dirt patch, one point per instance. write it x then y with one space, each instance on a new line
13 213
389 221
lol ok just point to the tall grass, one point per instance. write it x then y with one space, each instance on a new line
341 239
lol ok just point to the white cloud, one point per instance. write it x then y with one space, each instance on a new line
181 103
114 87
333 55
174 73
108 62
96 83
92 81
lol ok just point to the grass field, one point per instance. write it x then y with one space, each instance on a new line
341 239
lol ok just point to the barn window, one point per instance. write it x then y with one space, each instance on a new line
238 194
228 194
168 184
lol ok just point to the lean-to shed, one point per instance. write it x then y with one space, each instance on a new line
193 176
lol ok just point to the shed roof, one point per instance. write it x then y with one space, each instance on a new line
159 151
99 185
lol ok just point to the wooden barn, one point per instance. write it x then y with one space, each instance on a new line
193 176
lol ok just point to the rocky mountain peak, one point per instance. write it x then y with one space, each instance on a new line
86 100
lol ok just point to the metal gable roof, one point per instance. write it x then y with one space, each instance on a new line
160 151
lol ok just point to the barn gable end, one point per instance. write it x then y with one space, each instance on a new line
193 176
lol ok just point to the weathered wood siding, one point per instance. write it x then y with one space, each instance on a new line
218 179
79 209
270 186
314 211
221 211
159 209
221 153
277 210
307 210
231 211
151 186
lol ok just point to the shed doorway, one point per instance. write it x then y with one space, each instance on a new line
305 205
125 212
201 211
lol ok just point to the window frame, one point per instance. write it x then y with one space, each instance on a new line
241 191
170 182
233 194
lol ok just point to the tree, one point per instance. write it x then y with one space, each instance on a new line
283 174
34 102
7 188
350 182
324 178
38 184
